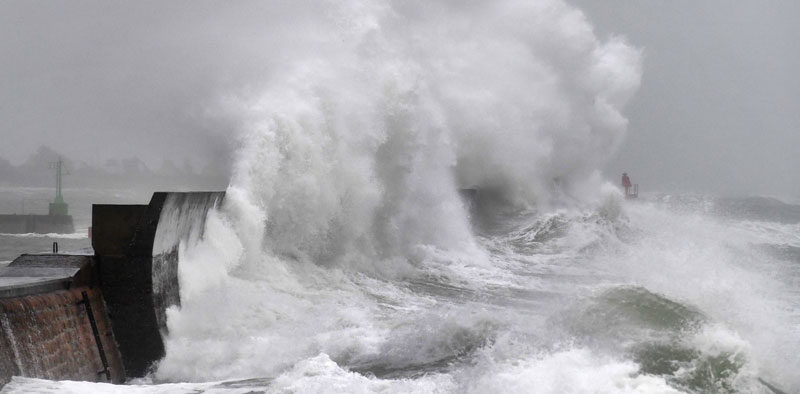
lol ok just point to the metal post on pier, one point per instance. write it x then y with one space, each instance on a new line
85 301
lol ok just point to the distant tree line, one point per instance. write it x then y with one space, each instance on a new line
119 173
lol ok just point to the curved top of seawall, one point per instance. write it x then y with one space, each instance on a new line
136 249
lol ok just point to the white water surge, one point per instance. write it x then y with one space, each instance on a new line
344 260
348 174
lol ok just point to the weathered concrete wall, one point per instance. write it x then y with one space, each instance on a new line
136 247
125 277
23 224
45 326
41 273
50 336
14 224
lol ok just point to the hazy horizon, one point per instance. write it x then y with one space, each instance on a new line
716 111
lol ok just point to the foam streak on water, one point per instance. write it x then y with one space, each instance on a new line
77 235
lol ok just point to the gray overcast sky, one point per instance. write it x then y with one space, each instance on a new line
719 106
718 110
95 78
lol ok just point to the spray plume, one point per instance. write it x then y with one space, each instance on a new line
371 121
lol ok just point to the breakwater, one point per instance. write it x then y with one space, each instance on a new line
53 322
99 317
43 224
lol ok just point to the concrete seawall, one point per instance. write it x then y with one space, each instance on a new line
51 336
100 317
44 224
53 321
136 247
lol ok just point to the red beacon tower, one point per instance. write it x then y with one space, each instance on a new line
631 190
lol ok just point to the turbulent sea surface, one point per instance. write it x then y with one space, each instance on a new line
663 295
344 258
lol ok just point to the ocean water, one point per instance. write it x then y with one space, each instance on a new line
34 200
344 258
634 296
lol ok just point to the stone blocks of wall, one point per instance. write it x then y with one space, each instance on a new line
50 336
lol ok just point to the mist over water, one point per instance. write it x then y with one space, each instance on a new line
343 258
373 122
351 161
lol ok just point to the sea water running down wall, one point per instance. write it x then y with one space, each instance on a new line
181 222
344 260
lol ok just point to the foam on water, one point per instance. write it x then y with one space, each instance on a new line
482 324
648 300
344 260
349 168
575 370
80 234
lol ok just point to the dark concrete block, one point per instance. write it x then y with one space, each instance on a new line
113 227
